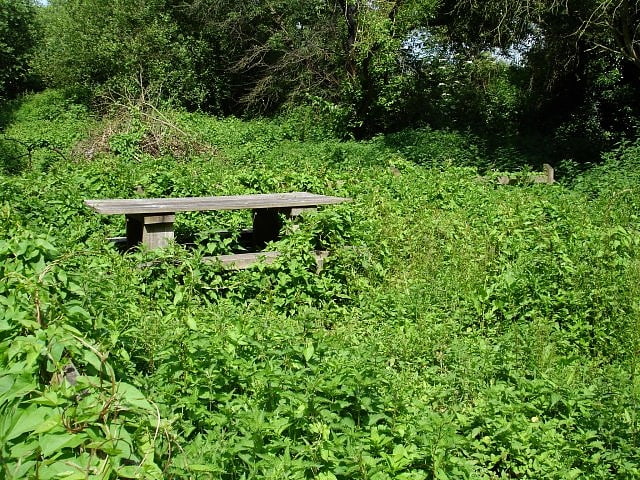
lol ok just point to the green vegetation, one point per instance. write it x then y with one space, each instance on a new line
566 70
460 329
113 49
17 41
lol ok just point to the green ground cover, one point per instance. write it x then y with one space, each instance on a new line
460 329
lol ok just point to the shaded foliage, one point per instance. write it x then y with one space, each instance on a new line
18 34
581 77
563 69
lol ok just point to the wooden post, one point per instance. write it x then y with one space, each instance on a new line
154 231
297 211
292 213
548 170
134 230
546 177
266 226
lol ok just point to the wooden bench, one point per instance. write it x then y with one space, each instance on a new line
150 220
547 176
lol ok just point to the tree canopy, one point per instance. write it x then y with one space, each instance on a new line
375 65
17 40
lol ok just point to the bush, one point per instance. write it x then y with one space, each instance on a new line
459 328
62 409
17 40
120 47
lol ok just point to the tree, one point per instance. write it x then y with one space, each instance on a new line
613 26
582 58
17 39
122 46
565 29
343 51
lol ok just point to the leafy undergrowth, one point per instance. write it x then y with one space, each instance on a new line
460 329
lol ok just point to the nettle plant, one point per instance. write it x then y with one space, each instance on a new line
63 414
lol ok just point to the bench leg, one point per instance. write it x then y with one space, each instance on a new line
134 230
266 226
293 213
267 223
297 211
154 231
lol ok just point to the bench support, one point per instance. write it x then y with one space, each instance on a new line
266 226
241 261
156 230
153 231
267 223
546 177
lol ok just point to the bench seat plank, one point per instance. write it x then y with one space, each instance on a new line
228 202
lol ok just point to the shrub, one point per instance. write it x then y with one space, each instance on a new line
122 47
17 39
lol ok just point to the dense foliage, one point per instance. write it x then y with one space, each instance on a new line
18 35
460 329
118 49
567 70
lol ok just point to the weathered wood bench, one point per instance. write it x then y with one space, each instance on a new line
547 176
150 220
240 261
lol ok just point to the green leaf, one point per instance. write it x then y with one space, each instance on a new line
21 470
25 449
6 382
66 469
191 323
76 312
52 443
62 277
15 387
309 350
130 472
28 421
131 396
92 359
50 423
179 295
202 468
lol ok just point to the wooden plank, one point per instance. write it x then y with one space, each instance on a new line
547 177
321 256
157 235
241 261
117 239
238 261
227 202
153 219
